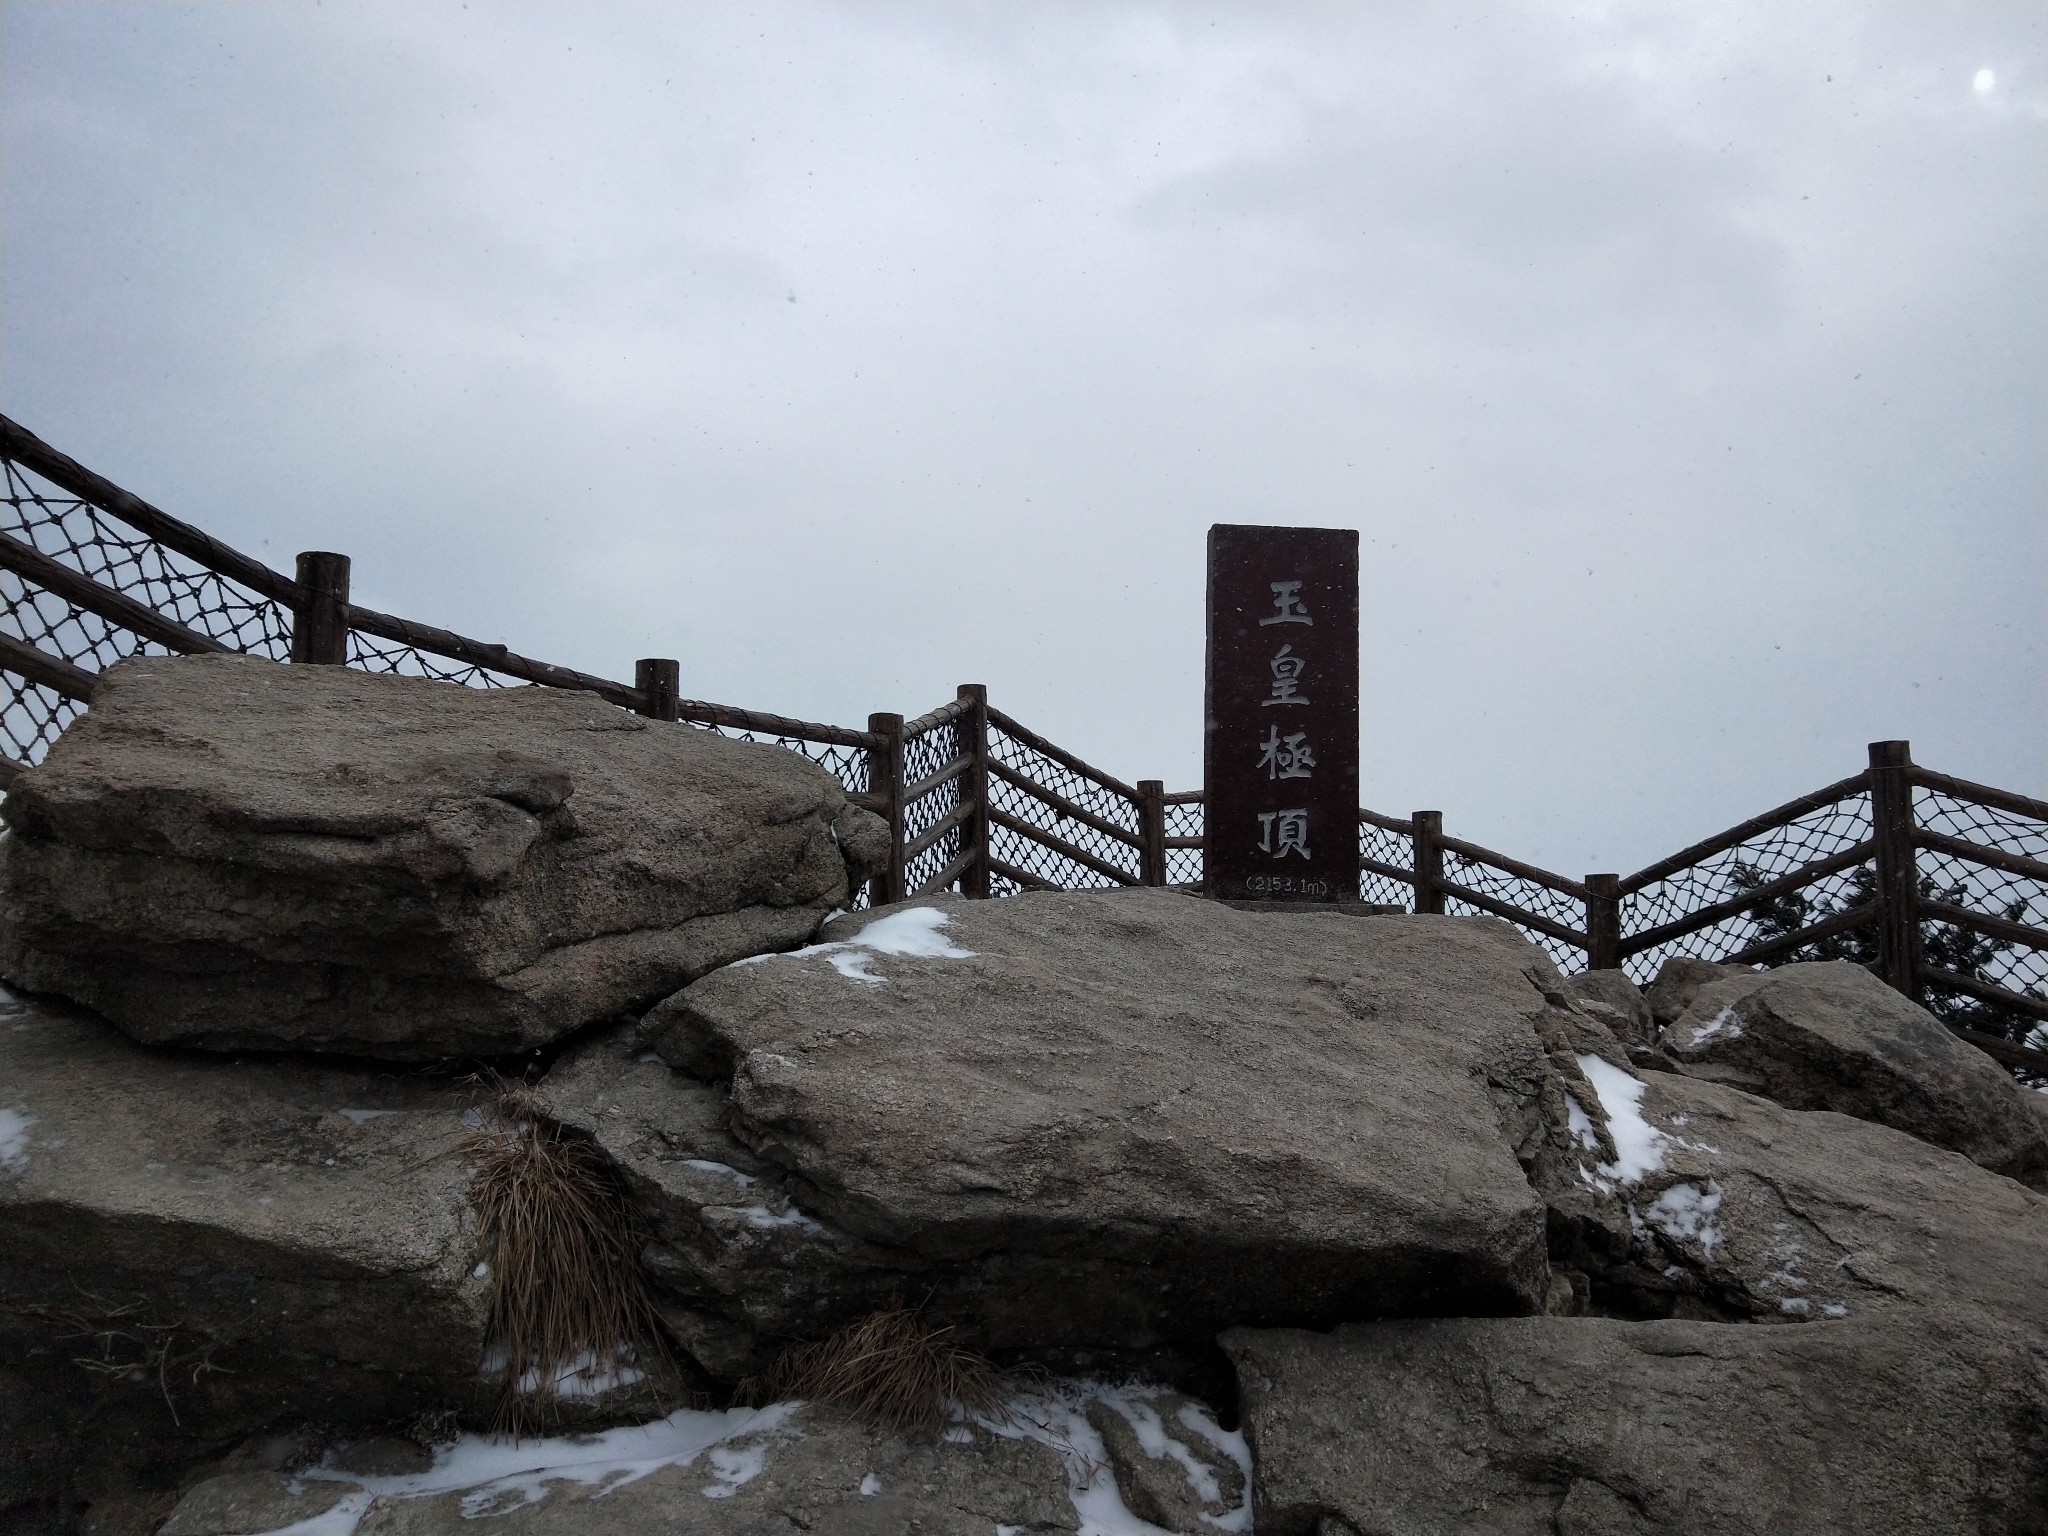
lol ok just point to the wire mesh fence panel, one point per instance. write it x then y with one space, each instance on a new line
1524 895
2002 894
373 653
33 717
92 542
924 755
1021 851
1768 855
1184 819
1386 847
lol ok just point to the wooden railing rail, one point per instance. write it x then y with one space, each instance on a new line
24 447
1062 804
1515 867
1059 754
1735 836
1983 794
1710 885
1061 846
1749 900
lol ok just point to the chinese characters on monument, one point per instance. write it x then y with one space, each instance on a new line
1280 752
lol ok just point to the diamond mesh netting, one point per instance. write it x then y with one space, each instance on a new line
924 755
1078 808
82 537
1388 847
1959 881
373 653
1524 895
1034 857
1805 839
1184 819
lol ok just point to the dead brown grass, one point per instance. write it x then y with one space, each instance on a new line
567 1286
891 1368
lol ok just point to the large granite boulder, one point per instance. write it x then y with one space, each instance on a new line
193 1248
1593 1427
1108 1119
229 853
1832 1036
1904 1385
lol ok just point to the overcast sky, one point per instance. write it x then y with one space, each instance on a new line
1683 367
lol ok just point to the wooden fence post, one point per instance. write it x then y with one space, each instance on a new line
1152 831
1603 922
973 740
1898 887
885 779
661 679
1429 861
320 628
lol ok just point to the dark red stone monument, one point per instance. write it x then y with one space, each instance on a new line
1280 742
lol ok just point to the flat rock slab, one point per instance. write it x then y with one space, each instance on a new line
234 854
1120 1118
1756 1212
194 1247
786 1469
1832 1036
1593 1427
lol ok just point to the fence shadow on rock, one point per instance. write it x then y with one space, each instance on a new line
1939 885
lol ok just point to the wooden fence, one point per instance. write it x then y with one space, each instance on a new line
1940 885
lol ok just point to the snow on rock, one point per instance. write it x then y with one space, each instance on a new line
1059 1416
1638 1145
917 931
1686 1212
1722 1024
496 1476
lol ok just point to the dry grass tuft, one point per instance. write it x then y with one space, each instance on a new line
890 1368
568 1291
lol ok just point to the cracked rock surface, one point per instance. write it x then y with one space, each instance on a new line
234 854
1116 1119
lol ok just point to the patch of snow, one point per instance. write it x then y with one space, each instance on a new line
1722 1023
1798 1306
705 1165
648 1058
761 1216
14 1124
1686 1212
734 1466
496 1476
359 1116
585 1376
1835 1309
870 1486
1638 1145
916 931
1581 1125
1057 1416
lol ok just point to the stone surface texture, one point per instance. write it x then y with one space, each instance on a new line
1115 1119
814 1471
1618 1003
1832 1036
1593 1427
222 1244
234 854
1679 981
1809 1322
